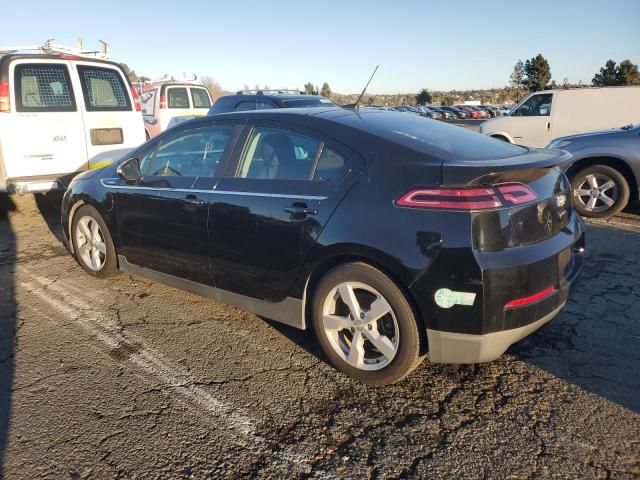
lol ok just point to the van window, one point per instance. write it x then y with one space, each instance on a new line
178 98
200 98
43 88
536 106
103 89
148 100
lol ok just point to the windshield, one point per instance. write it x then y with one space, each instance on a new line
308 102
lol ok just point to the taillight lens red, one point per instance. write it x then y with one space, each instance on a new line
5 104
163 101
136 99
451 198
517 193
468 198
521 302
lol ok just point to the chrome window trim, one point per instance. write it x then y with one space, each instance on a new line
105 183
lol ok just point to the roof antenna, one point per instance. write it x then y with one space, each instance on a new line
365 88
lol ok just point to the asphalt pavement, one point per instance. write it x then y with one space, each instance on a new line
125 378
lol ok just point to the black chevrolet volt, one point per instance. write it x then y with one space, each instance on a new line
392 236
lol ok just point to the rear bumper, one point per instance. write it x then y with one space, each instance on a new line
38 184
451 347
476 320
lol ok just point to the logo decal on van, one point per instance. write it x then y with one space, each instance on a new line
59 138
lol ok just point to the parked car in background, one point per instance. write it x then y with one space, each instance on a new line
504 109
296 216
474 114
59 113
167 99
604 169
549 114
266 100
461 114
429 113
489 109
446 115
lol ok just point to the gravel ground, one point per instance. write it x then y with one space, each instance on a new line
128 379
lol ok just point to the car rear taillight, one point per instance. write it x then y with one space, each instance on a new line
468 198
521 302
517 193
451 198
136 99
163 101
5 104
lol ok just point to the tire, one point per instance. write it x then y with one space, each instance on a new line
599 191
147 136
100 260
395 332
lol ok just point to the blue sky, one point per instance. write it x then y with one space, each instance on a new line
434 44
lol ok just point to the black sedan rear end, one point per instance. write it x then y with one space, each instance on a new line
389 234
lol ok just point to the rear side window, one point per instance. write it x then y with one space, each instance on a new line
177 98
330 165
200 98
103 89
244 106
43 88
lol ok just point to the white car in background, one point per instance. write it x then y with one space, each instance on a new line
543 116
60 114
164 101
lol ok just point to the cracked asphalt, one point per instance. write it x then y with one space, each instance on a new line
129 379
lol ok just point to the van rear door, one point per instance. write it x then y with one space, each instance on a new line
113 122
44 136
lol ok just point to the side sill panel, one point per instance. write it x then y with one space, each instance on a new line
289 311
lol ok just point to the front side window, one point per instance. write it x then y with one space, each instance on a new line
103 89
536 106
196 152
43 87
200 98
178 97
278 154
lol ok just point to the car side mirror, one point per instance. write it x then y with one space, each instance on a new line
129 171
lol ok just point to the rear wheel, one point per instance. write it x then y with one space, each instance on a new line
92 243
599 191
365 325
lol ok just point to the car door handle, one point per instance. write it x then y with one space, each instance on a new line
300 210
192 202
548 126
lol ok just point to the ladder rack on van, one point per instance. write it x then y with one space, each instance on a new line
51 48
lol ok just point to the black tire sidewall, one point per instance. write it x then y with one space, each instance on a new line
111 264
408 354
616 176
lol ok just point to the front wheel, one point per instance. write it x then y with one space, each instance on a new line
599 191
365 326
92 243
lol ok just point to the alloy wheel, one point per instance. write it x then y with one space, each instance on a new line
90 242
596 192
360 326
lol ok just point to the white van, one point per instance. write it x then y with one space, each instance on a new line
165 101
59 111
543 116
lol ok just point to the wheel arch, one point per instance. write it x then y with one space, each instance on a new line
613 162
501 136
345 258
78 202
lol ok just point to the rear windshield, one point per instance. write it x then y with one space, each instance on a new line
103 89
432 136
43 87
200 98
308 102
178 97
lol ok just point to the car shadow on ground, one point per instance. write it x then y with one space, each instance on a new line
7 320
49 205
594 343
